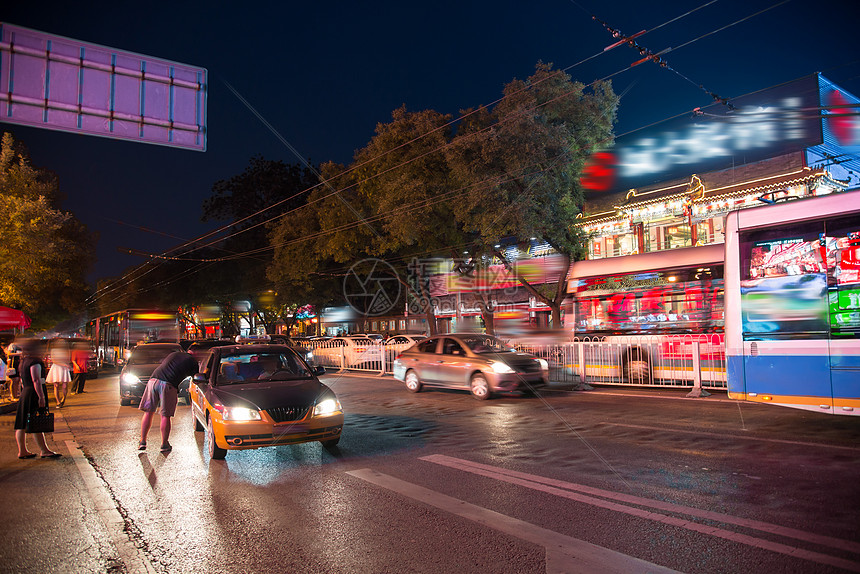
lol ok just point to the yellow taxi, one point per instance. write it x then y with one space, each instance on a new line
252 396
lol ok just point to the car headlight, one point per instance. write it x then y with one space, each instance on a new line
543 364
501 368
309 357
240 414
327 407
130 379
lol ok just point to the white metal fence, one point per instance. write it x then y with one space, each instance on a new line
647 360
658 361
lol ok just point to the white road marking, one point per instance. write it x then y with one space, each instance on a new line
567 490
739 437
564 554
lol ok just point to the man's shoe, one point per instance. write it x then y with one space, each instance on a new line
166 447
141 445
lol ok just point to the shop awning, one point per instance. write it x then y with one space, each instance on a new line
13 319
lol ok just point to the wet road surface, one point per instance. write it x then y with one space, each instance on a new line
605 480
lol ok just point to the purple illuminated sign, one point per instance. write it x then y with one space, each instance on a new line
57 83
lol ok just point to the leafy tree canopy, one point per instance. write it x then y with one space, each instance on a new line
46 252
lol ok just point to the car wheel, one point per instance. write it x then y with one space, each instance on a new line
215 451
125 402
330 444
413 383
480 387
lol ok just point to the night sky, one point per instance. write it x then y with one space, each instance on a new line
325 73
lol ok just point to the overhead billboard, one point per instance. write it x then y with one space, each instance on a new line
764 124
62 84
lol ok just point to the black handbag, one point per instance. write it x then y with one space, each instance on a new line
40 421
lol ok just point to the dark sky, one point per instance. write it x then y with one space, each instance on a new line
325 73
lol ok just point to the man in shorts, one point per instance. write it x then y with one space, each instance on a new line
161 395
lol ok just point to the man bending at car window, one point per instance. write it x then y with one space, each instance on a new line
161 394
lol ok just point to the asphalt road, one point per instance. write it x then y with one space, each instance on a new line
597 481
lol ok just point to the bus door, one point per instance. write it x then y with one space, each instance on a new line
844 314
784 317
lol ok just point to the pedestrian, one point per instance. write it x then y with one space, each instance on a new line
80 356
61 371
34 396
13 352
162 393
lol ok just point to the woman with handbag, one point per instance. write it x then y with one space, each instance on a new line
34 397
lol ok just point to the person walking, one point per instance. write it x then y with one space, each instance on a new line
60 374
13 352
34 396
161 394
80 356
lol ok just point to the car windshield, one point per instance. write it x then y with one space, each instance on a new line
149 356
482 344
261 367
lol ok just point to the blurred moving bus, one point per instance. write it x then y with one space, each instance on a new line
793 304
115 335
640 317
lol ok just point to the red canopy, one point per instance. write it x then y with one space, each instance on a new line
12 318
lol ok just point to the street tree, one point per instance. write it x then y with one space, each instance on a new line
250 202
521 161
46 252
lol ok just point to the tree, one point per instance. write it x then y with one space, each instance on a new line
391 203
46 252
522 162
264 192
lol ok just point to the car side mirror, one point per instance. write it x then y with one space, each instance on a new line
319 370
199 378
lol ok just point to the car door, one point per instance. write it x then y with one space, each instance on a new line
423 359
197 389
452 363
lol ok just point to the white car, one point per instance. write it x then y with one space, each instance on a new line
348 352
399 343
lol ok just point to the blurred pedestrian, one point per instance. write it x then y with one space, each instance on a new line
13 353
60 374
80 356
162 393
34 396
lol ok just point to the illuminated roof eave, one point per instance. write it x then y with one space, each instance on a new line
802 175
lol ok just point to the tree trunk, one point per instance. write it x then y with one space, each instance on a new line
560 292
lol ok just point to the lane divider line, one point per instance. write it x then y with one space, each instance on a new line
785 531
758 439
135 561
563 553
544 485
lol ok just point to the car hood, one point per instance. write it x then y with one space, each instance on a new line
267 394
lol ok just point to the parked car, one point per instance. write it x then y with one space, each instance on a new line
399 343
481 364
347 352
141 363
251 396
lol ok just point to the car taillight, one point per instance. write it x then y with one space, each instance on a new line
397 358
